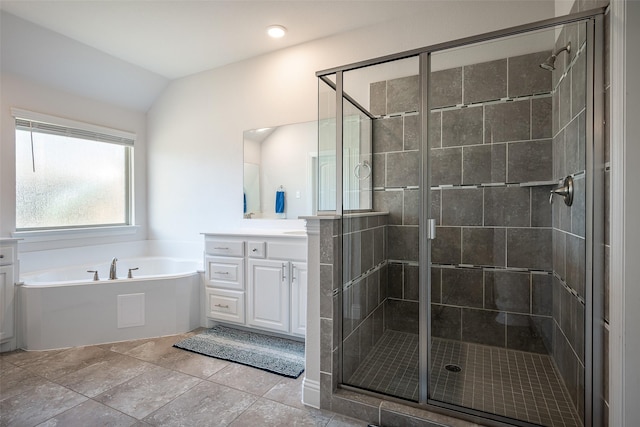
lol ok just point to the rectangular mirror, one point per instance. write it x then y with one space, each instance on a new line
280 163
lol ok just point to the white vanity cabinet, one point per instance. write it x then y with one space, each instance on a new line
8 278
257 280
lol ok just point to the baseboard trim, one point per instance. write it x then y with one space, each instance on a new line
311 393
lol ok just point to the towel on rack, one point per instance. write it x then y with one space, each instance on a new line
280 201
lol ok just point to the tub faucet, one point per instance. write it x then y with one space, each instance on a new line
112 270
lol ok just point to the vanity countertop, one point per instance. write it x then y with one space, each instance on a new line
293 233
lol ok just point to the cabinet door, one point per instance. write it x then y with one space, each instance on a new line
7 292
268 295
298 298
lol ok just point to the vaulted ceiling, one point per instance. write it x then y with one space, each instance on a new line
177 38
134 48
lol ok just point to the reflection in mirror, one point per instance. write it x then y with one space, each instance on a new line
326 145
357 159
280 162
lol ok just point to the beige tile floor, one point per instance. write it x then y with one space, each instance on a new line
148 382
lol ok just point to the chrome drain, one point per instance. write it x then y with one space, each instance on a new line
452 368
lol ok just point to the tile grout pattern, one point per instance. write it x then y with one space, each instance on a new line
511 383
148 382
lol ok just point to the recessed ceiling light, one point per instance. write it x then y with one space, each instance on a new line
276 31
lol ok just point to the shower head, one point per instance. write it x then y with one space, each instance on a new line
549 63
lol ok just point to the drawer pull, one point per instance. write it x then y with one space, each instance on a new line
226 249
254 250
222 306
220 272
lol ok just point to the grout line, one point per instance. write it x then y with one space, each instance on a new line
531 119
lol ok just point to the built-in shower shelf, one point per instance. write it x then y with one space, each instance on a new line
492 268
491 102
482 185
497 184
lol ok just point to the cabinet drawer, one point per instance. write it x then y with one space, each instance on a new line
287 251
7 255
225 272
257 249
225 305
224 247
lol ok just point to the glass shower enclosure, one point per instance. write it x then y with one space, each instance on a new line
471 228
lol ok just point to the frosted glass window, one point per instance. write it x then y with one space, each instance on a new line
65 182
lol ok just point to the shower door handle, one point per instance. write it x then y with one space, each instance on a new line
431 229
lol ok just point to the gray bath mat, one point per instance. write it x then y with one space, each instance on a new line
273 354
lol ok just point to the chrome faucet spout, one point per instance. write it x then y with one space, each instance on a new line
112 270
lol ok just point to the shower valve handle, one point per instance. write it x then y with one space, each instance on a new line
566 191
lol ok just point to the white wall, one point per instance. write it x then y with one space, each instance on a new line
20 93
563 7
195 128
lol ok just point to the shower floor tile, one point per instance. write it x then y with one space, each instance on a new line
516 384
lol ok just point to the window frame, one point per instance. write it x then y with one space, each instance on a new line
46 124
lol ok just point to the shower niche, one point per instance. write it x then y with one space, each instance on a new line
466 286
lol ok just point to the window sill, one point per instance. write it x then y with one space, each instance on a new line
75 233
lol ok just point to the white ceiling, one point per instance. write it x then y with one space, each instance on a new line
175 38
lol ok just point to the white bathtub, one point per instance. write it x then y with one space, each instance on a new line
65 308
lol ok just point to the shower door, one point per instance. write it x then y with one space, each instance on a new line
508 267
380 319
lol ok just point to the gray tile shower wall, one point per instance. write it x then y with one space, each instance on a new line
492 169
576 35
396 166
569 231
513 307
364 287
479 138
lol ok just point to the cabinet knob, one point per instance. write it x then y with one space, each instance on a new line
254 250
1 256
